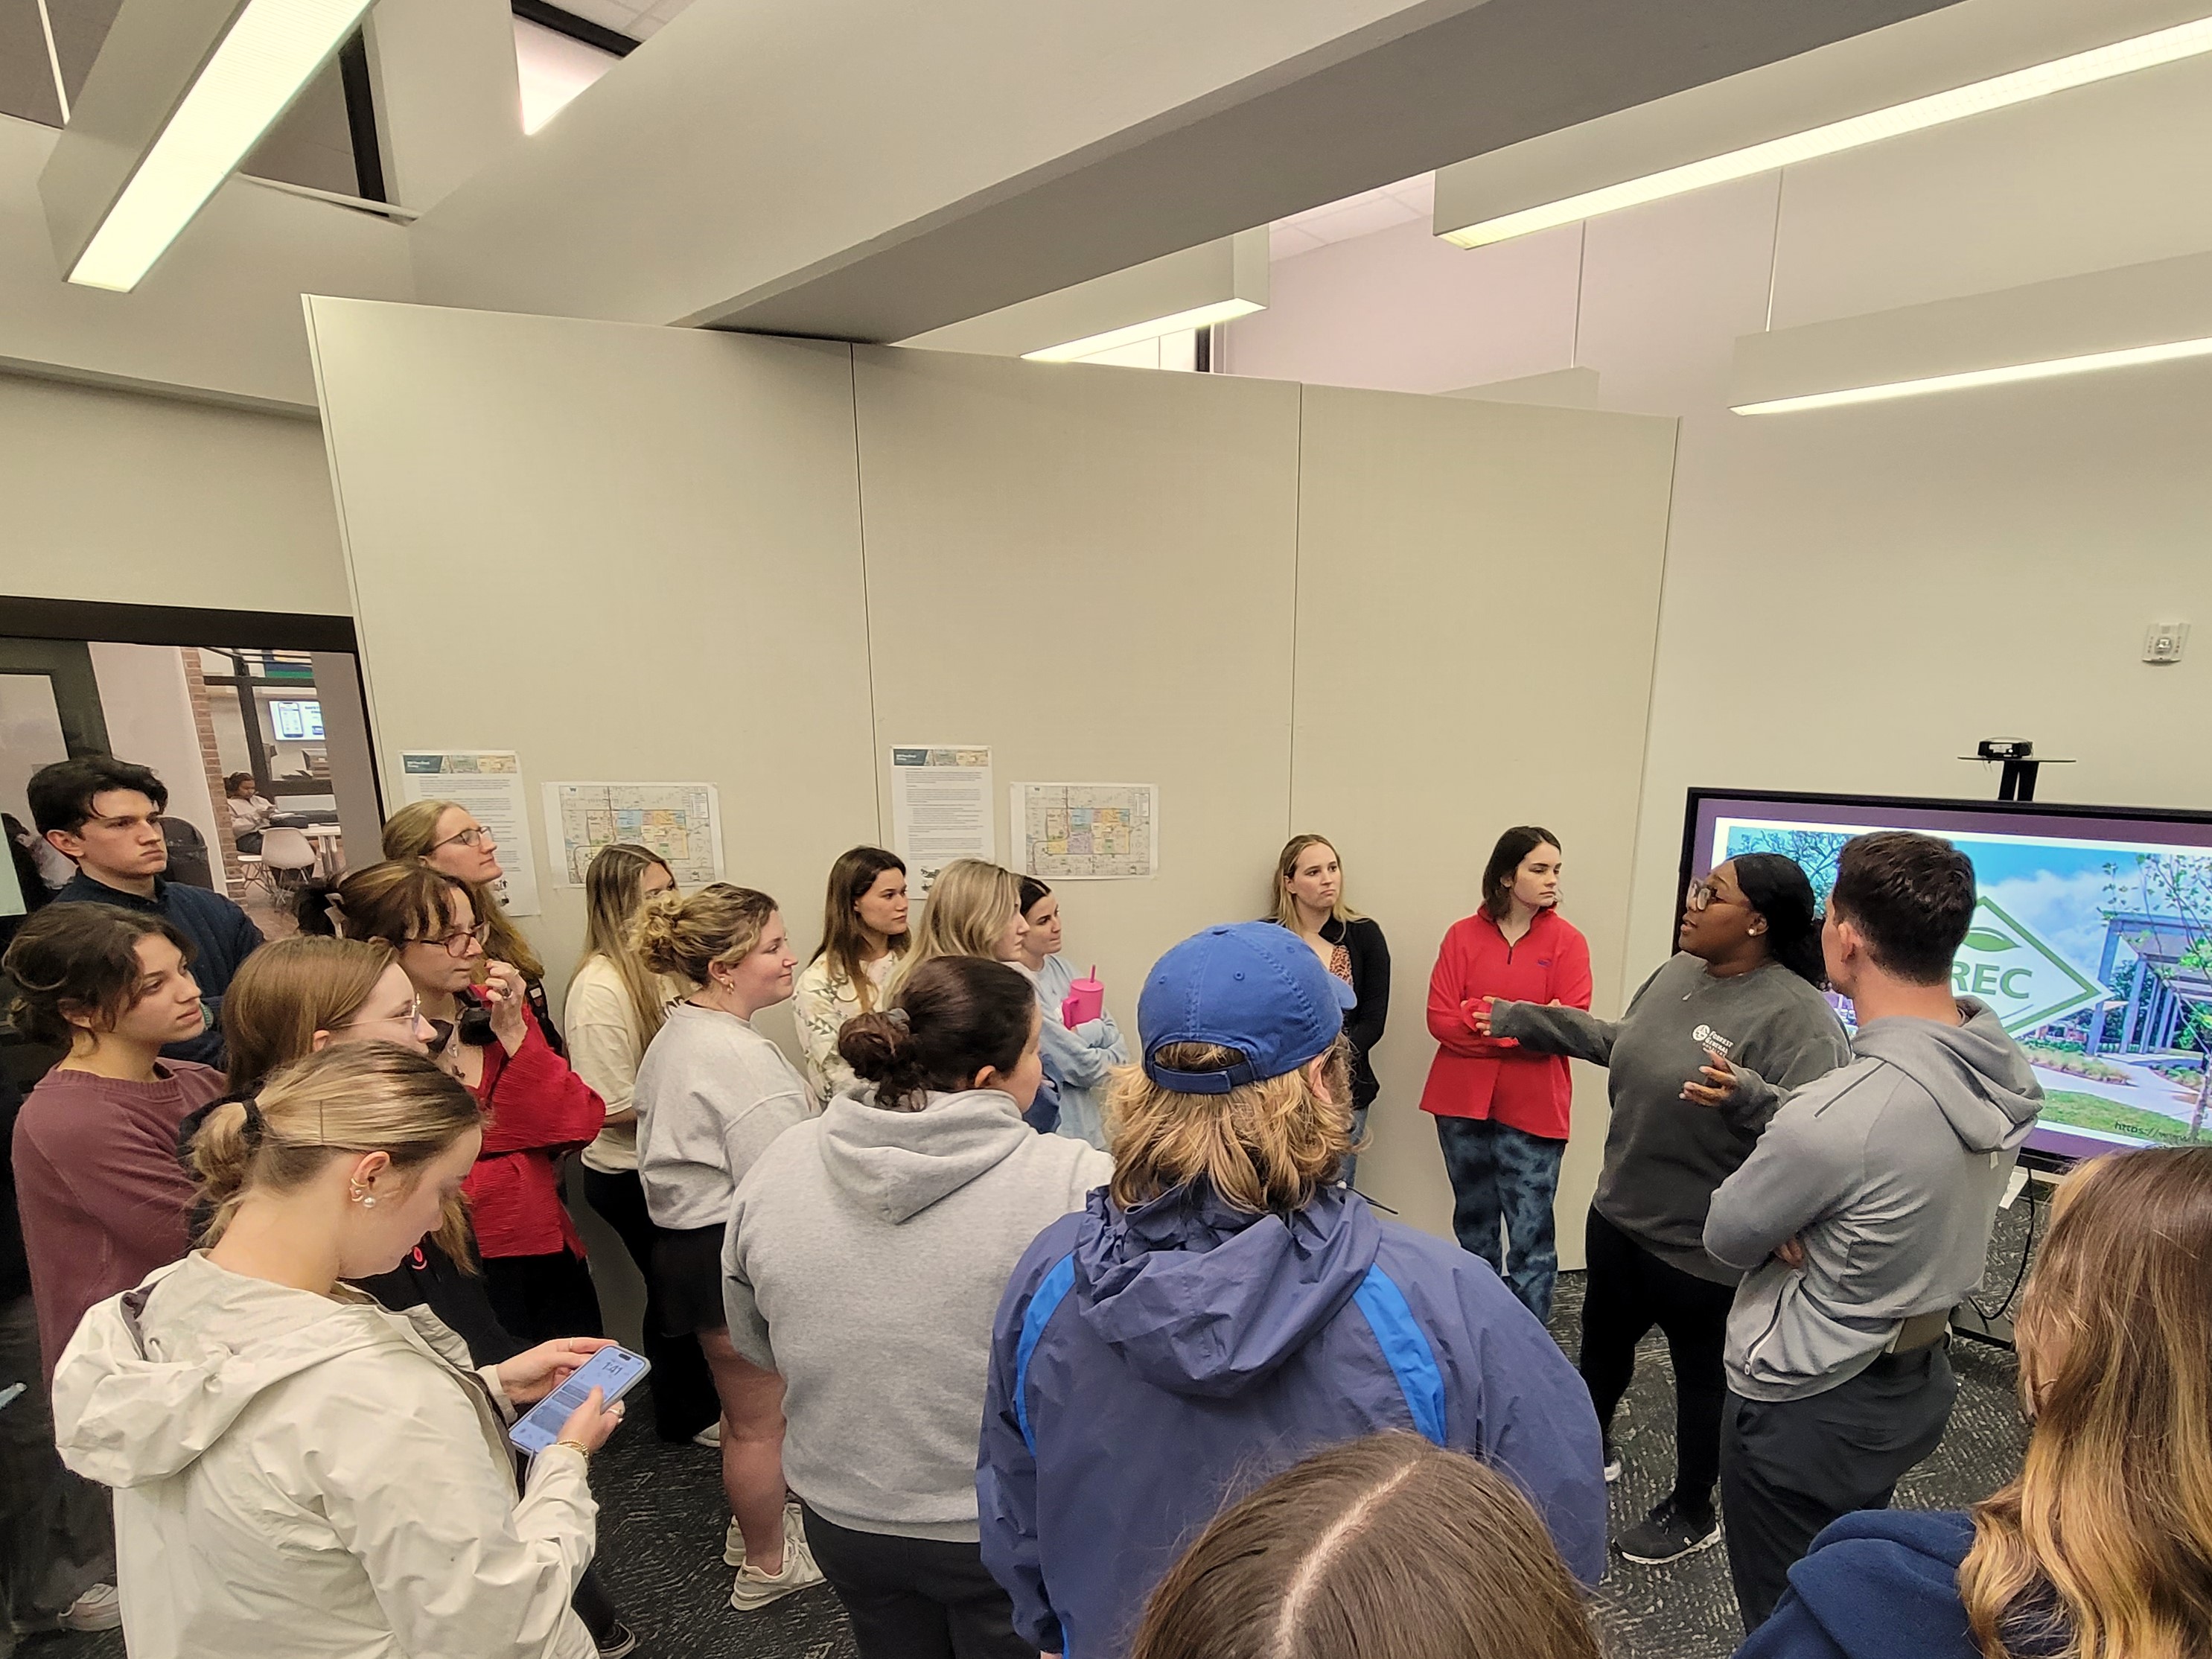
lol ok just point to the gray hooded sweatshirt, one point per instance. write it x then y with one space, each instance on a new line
867 1254
1888 1172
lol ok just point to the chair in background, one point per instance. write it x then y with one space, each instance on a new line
288 859
188 854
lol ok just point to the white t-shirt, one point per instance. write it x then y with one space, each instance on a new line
604 1047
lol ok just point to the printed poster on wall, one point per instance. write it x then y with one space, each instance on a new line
940 808
1086 831
681 821
489 782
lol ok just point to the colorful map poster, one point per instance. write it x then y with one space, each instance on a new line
1087 831
681 822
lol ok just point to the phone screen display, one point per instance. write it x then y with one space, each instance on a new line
612 1370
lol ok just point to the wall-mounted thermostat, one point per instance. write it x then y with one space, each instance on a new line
2163 642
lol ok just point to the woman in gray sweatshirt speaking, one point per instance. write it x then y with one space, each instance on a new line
1745 990
874 1243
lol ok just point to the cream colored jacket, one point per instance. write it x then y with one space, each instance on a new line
821 1004
299 1475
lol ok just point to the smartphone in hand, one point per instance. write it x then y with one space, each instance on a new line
613 1372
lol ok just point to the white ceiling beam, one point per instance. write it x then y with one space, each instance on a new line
876 169
1732 127
1219 280
2127 317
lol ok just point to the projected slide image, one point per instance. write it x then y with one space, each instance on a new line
2095 951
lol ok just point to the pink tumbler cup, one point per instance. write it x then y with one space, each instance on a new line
1085 1001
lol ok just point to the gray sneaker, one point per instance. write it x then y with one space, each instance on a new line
1667 1533
754 1589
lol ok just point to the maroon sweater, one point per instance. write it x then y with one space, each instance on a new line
103 1195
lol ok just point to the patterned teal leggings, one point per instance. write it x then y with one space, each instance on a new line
1503 1179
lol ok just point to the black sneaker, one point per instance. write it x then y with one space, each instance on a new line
1612 1461
621 1640
1667 1533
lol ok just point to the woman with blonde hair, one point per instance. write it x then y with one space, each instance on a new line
1309 902
446 836
537 1110
864 934
1227 1305
974 909
713 1092
615 1005
2101 1548
1387 1544
329 1470
302 996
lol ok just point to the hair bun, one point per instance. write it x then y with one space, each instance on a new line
877 1046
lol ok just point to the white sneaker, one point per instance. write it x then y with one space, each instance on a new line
100 1607
754 1589
733 1541
709 1435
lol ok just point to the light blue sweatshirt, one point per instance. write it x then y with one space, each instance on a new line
1080 1061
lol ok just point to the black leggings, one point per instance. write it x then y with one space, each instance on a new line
1630 1290
539 1298
914 1598
683 1397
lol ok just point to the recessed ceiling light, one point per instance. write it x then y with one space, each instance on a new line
1220 311
270 51
1966 380
1916 115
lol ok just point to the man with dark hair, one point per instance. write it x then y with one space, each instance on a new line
1863 1218
104 815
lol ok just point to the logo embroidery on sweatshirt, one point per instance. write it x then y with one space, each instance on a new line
1708 1038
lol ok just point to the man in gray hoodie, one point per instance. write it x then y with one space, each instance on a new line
1863 1218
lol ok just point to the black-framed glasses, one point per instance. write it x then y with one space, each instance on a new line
475 835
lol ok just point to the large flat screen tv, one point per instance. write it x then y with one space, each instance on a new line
2093 941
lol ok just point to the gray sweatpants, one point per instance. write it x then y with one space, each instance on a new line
1790 1467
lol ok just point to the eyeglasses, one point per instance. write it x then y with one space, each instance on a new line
1701 894
474 835
410 1019
461 942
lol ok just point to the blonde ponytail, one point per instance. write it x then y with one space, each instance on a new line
352 1098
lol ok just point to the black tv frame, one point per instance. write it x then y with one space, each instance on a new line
2030 1158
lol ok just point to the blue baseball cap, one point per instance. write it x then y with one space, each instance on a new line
1255 986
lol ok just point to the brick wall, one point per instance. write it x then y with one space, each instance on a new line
233 872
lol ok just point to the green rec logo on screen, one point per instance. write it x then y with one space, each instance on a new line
2024 980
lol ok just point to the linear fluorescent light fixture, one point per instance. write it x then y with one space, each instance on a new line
270 51
1221 310
1999 92
1966 380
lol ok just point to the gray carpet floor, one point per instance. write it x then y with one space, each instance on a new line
662 1515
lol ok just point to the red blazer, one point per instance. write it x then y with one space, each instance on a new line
536 1109
1495 1076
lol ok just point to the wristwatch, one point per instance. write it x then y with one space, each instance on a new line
578 1447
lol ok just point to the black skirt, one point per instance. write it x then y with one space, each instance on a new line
687 1276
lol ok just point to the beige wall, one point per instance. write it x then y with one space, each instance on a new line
622 552
764 562
1092 570
1478 595
116 496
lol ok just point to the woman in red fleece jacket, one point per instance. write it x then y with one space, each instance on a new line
1502 1114
537 1110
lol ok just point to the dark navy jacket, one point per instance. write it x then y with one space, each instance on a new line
222 937
1148 1367
1883 1584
